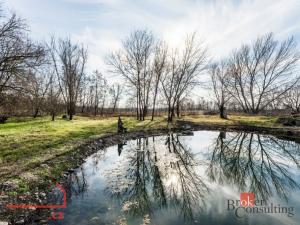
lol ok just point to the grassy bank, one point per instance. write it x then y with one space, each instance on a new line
28 144
265 121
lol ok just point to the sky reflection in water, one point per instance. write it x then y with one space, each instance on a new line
175 179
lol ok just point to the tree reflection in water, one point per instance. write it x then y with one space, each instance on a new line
76 183
255 163
156 175
163 174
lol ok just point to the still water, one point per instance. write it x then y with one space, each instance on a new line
176 179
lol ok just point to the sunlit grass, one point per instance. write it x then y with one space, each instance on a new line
27 143
32 137
266 121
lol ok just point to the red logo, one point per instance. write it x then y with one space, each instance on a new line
54 215
57 216
247 199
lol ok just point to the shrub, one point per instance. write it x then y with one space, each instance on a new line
210 113
3 119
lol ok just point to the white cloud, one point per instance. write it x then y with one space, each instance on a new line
102 24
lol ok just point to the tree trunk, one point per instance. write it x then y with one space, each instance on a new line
53 116
137 106
114 107
171 114
153 109
223 112
95 110
154 102
178 109
71 111
145 112
36 113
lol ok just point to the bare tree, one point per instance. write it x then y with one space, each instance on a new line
69 61
98 89
159 67
263 72
133 63
183 72
53 101
18 54
38 86
115 92
219 75
292 99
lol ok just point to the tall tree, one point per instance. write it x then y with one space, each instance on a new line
18 54
133 62
37 88
292 99
263 72
115 92
69 61
98 90
183 72
53 100
219 75
159 67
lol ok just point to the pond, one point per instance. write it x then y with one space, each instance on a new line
179 179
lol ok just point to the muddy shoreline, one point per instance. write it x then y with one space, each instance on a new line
79 155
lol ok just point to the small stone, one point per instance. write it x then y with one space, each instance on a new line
71 170
3 223
20 222
95 220
3 197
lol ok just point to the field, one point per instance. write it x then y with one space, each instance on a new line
265 121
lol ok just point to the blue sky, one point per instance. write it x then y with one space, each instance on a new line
102 24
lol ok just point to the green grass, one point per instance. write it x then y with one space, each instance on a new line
265 121
27 143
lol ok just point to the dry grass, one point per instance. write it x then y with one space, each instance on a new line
265 121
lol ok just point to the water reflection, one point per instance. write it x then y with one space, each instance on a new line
153 176
76 184
255 163
168 180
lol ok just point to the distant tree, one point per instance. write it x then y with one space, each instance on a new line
98 91
53 103
292 99
69 62
133 62
263 72
159 67
183 72
115 93
18 54
219 78
37 87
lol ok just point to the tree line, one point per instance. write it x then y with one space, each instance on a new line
258 76
51 78
48 78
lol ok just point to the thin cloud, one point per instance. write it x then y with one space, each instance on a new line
102 24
